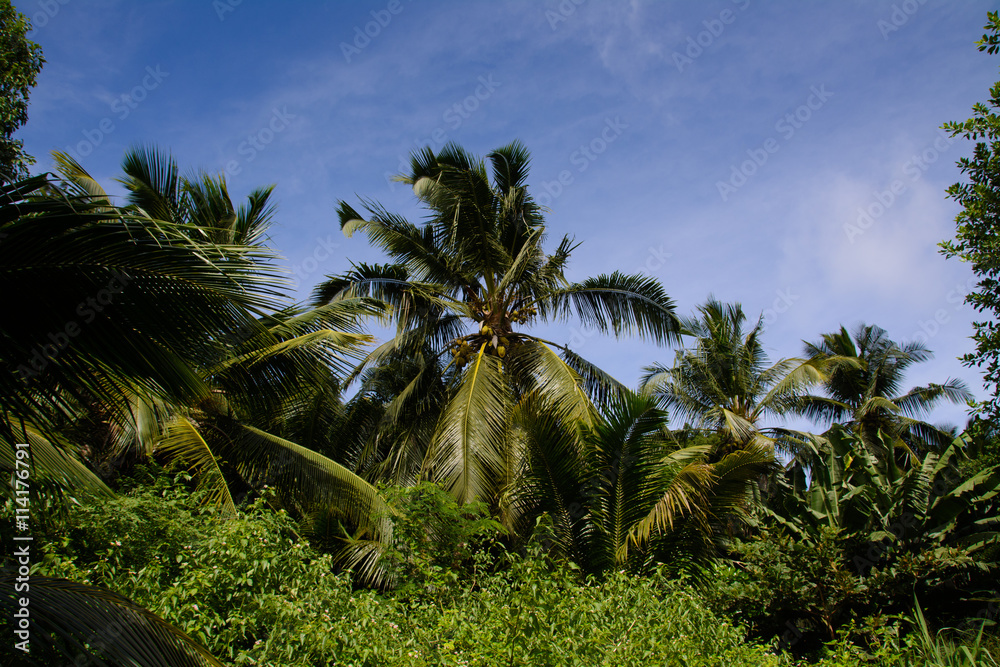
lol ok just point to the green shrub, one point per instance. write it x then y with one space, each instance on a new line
804 594
254 593
435 540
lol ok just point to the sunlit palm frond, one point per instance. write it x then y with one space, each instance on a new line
467 455
78 181
182 441
137 424
153 181
688 481
265 459
254 217
207 206
537 368
628 448
600 386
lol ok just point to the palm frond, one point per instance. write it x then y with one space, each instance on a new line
265 459
620 304
467 456
78 181
600 386
182 441
538 368
555 478
920 400
51 465
142 305
687 494
153 181
72 621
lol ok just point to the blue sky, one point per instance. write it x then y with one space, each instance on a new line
785 155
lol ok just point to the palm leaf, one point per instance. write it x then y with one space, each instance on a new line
554 478
467 452
153 181
618 303
79 181
183 441
50 464
686 494
74 621
265 459
538 368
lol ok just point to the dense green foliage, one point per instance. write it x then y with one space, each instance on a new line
979 222
20 61
860 537
485 497
253 592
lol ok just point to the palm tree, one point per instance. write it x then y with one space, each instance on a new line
269 381
622 493
108 303
193 353
163 323
863 391
463 286
725 383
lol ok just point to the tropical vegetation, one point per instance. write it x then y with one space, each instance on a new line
20 61
217 474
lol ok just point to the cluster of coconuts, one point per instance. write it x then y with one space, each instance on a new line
523 315
463 351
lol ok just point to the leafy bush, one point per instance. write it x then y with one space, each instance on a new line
804 592
854 536
543 613
145 529
434 538
254 593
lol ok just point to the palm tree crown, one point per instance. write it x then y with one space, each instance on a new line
725 383
864 387
465 283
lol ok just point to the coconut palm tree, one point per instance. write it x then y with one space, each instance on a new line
463 288
726 384
201 362
163 324
864 391
109 303
623 493
271 382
